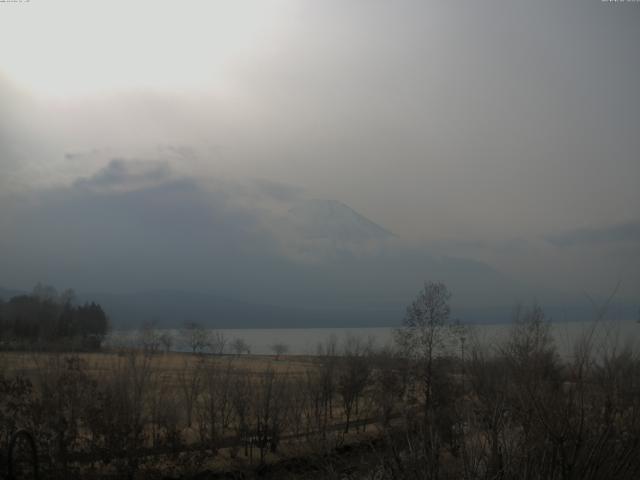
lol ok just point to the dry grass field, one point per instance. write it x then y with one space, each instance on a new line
31 364
212 412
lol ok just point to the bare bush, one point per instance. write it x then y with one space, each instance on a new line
190 383
215 406
239 346
353 376
196 337
279 349
217 342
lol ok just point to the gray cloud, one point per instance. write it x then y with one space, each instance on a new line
125 174
278 191
622 233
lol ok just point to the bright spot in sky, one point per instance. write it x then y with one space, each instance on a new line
68 48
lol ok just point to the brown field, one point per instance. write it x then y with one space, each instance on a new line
31 364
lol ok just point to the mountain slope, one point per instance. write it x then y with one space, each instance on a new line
333 220
135 227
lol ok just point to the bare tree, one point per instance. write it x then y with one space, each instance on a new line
422 339
149 338
353 376
388 376
196 337
190 383
326 377
166 340
279 349
217 342
241 397
122 411
269 411
215 407
423 332
239 346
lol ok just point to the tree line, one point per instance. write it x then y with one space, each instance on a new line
46 318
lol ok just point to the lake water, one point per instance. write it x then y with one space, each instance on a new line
303 341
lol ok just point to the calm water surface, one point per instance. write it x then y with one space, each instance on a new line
302 341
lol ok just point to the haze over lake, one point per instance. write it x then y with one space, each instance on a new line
305 341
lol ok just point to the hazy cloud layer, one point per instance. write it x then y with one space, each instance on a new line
493 131
622 233
121 174
136 225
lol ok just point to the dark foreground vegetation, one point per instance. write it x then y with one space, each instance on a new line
440 405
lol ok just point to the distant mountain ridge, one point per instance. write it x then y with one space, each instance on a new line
172 308
6 294
295 261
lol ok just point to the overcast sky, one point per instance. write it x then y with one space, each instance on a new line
506 132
